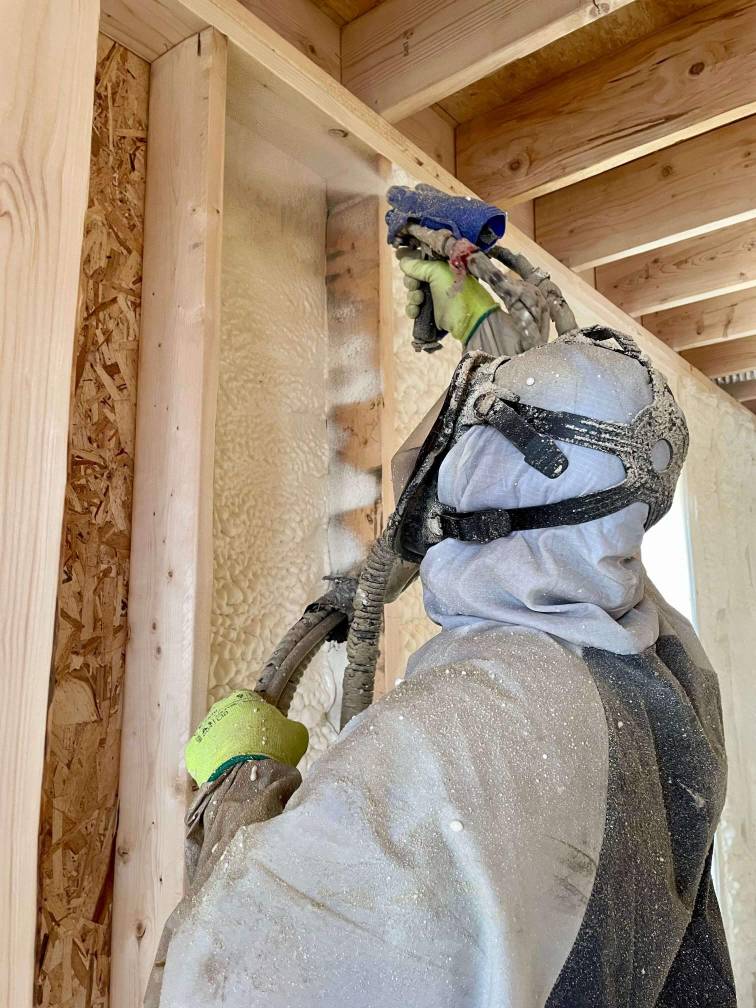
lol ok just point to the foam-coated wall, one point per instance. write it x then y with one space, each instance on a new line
271 457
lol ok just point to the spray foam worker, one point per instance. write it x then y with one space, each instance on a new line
527 819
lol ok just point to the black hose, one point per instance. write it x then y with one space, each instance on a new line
363 642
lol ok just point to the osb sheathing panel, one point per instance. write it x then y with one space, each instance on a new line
271 454
79 796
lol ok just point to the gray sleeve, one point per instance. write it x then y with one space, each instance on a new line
497 336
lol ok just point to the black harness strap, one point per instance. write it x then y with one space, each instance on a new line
495 523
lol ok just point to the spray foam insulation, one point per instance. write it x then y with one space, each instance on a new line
79 793
271 451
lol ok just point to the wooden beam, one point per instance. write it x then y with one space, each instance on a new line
720 359
695 187
730 316
402 56
151 27
306 27
48 52
148 27
172 550
743 391
691 270
692 77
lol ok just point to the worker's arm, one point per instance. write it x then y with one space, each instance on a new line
243 757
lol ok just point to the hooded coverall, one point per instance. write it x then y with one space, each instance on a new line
527 819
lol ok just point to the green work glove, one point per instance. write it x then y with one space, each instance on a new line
243 726
458 310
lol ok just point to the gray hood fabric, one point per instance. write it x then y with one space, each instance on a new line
527 820
583 583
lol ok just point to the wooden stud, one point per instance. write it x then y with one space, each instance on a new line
692 270
695 187
720 359
172 550
80 783
47 67
402 56
692 77
393 658
730 316
354 380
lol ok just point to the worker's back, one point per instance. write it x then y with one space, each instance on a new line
517 824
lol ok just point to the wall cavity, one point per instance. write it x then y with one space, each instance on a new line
271 459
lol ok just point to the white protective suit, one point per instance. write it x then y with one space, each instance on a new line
527 820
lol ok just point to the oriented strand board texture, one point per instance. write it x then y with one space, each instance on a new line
271 462
722 522
79 795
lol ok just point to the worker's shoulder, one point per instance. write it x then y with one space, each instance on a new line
531 659
501 677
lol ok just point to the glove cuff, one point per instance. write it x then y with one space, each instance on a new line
249 758
475 323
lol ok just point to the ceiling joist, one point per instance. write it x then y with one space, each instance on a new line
692 270
730 316
722 359
697 186
743 391
694 76
404 55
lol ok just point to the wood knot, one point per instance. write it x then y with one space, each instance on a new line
139 930
123 853
515 164
697 68
667 171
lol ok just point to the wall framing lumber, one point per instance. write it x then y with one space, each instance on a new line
720 359
172 551
691 189
306 27
400 57
47 65
148 27
692 270
692 77
730 316
433 131
80 782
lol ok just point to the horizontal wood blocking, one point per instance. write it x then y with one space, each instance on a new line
692 270
404 55
722 359
697 186
730 316
148 27
694 76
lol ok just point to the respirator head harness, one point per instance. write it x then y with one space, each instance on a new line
651 448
